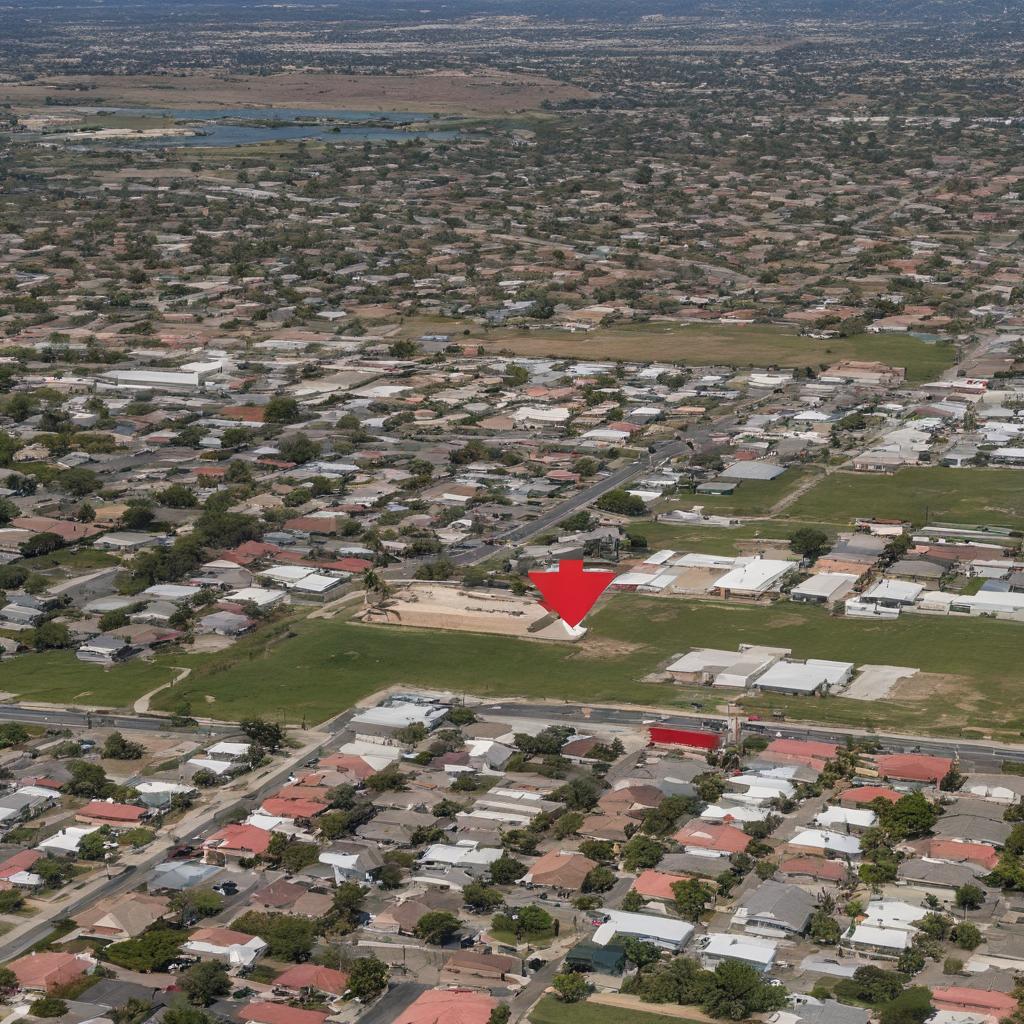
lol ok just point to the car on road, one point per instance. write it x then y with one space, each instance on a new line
226 889
182 852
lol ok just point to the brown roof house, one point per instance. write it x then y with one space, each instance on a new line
559 870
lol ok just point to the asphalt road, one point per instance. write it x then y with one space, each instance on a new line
978 755
56 719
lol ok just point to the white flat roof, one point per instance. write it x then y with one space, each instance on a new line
666 929
741 947
756 575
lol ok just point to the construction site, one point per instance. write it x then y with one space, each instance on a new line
432 605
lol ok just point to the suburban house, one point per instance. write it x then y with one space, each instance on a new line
775 910
236 949
448 1006
559 870
234 843
42 972
719 946
663 932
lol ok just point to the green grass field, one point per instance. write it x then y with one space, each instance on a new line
718 540
716 344
327 665
993 497
551 1010
751 497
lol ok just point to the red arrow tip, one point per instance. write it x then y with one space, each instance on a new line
570 591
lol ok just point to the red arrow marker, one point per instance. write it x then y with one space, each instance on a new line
571 592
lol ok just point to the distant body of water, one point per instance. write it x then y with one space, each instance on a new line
216 133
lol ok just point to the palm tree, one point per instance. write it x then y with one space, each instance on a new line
373 581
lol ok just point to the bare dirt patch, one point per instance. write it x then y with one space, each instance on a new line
486 92
958 691
600 647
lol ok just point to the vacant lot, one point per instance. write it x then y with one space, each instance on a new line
713 344
993 497
327 665
486 92
751 497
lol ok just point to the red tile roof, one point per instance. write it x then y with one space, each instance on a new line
723 838
100 810
448 1006
973 1000
970 853
865 794
278 1013
282 807
48 970
913 767
657 885
20 861
314 976
814 867
243 838
806 752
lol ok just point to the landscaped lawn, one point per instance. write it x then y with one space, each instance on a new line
551 1010
327 665
992 497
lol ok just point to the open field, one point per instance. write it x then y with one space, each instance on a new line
751 497
717 540
484 92
551 1010
713 344
327 665
993 497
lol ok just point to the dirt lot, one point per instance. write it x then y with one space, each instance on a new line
442 92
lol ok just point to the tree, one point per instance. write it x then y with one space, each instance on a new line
599 879
269 735
952 781
298 448
737 990
8 511
93 846
691 898
506 870
193 904
482 899
150 951
177 496
969 897
78 482
367 978
206 982
910 962
572 987
966 936
88 780
914 1006
347 905
639 952
180 1012
8 982
809 542
48 1006
641 852
10 900
51 636
436 927
281 409
500 1014
824 928
909 817
118 748
621 502
287 937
